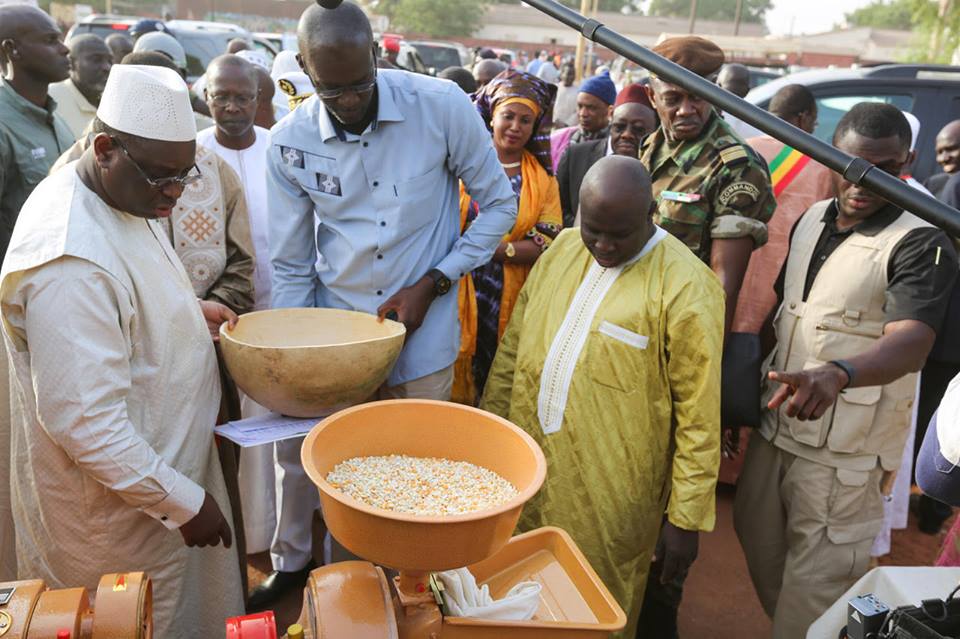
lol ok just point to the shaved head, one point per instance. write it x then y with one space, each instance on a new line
616 201
18 19
487 70
32 49
90 62
120 44
347 25
79 43
337 54
948 147
735 78
230 64
952 129
237 44
265 116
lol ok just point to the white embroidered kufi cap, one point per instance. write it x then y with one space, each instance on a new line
149 102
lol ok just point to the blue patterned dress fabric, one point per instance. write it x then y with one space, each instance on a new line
488 282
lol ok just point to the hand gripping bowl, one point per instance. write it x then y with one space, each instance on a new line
308 362
422 428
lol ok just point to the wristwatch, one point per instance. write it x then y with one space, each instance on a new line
441 283
510 251
847 368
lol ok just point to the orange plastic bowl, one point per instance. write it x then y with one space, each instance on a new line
422 428
308 362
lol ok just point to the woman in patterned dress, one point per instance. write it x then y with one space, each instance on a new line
517 109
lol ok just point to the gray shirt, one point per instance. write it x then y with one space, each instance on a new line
31 140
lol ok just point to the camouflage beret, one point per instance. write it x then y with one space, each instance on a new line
693 53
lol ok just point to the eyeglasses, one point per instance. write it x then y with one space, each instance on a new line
242 100
363 87
621 127
188 177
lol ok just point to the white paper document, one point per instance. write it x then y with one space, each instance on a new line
266 429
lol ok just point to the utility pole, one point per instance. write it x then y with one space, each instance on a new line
578 60
587 8
737 16
693 15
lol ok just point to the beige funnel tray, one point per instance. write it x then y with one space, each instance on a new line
306 362
422 428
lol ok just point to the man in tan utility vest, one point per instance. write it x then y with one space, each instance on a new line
863 292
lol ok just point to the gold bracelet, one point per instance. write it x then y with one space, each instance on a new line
510 251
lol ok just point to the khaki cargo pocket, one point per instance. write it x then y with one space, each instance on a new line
843 337
854 518
853 417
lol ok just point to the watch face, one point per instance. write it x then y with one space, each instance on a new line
443 286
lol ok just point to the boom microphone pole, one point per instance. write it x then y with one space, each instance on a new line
854 169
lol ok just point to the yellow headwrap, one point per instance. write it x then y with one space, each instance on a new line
530 104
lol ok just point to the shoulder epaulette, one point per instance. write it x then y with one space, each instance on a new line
734 154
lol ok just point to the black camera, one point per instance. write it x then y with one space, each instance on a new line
865 617
870 618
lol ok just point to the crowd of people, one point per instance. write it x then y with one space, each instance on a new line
581 260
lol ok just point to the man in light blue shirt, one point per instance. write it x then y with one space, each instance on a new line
364 215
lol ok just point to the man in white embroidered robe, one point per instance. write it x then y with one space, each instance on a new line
210 226
612 363
115 378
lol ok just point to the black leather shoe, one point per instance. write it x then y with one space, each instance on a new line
276 585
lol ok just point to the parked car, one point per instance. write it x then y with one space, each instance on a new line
202 41
760 76
437 56
102 25
930 92
409 58
279 41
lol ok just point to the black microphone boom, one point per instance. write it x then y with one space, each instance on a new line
856 170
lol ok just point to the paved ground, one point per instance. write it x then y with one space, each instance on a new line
719 601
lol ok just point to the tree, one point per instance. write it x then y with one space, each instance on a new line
881 14
753 10
437 18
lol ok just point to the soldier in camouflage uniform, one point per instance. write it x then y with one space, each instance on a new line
713 193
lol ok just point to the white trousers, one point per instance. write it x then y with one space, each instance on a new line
257 487
8 538
297 497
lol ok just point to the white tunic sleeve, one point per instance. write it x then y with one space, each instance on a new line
78 323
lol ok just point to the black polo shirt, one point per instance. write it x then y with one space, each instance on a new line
920 273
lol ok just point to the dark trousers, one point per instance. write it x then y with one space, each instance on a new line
661 603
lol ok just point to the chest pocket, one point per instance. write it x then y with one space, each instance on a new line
321 175
617 357
417 198
685 221
33 165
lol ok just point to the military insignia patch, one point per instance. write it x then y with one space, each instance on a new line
292 157
736 189
287 86
329 184
733 155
